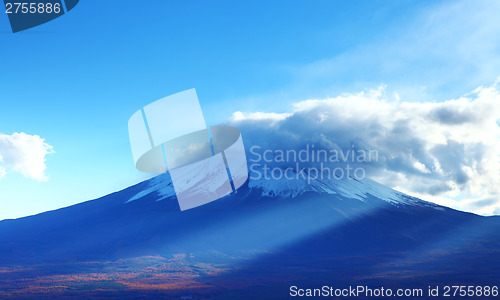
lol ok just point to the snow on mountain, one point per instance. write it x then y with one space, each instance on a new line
358 190
346 187
161 185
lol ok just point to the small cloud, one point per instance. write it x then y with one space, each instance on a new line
269 118
25 154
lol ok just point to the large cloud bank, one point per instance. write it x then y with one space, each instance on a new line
447 152
25 154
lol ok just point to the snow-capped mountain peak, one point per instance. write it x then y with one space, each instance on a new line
282 187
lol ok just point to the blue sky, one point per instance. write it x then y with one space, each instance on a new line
75 81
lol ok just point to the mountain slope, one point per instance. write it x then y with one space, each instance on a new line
297 231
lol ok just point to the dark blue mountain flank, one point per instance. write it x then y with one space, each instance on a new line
261 240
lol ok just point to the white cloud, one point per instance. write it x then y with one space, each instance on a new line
447 152
271 118
24 153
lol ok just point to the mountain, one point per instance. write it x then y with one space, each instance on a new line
266 237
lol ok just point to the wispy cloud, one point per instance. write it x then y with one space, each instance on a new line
25 154
447 152
441 51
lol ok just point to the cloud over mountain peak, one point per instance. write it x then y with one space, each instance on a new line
440 151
